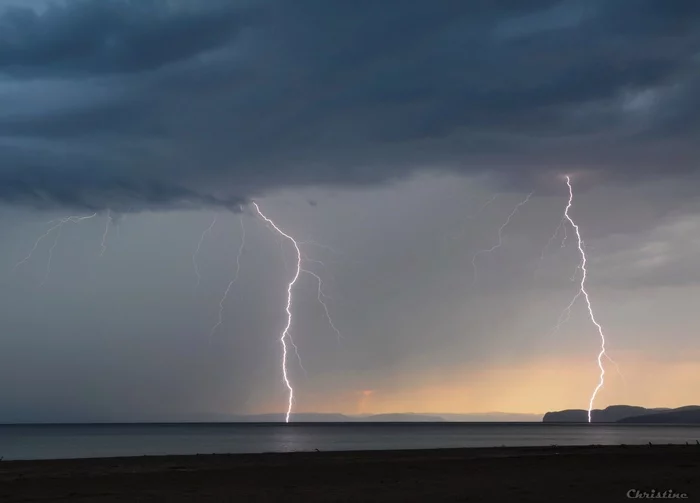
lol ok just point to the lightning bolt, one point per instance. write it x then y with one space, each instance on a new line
60 222
584 292
484 206
321 296
320 245
296 352
196 251
566 314
500 232
288 308
561 226
104 235
48 262
233 280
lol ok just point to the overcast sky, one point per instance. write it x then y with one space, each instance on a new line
401 139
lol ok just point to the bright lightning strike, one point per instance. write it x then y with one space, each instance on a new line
233 280
288 309
196 251
584 292
500 232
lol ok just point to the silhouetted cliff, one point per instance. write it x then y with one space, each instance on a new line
611 414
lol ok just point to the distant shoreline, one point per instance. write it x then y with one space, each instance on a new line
356 423
572 474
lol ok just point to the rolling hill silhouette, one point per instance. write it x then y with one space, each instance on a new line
627 414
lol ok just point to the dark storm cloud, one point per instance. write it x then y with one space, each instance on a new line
230 100
110 36
95 190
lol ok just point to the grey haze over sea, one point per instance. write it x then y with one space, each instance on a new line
115 440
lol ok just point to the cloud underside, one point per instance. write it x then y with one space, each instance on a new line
155 104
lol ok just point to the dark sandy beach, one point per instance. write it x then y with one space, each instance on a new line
571 474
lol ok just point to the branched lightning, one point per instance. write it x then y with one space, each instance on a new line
58 224
319 262
320 245
500 232
233 280
561 226
36 244
584 292
104 235
566 313
285 333
306 258
48 261
296 352
196 251
484 206
321 296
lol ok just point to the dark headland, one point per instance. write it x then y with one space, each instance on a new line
571 474
689 414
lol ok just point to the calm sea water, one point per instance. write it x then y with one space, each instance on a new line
109 440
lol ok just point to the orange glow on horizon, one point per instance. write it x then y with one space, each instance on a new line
533 388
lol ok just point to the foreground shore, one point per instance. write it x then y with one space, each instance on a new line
569 474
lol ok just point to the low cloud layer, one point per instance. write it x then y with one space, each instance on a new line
153 104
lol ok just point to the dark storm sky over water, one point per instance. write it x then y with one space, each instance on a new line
399 123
